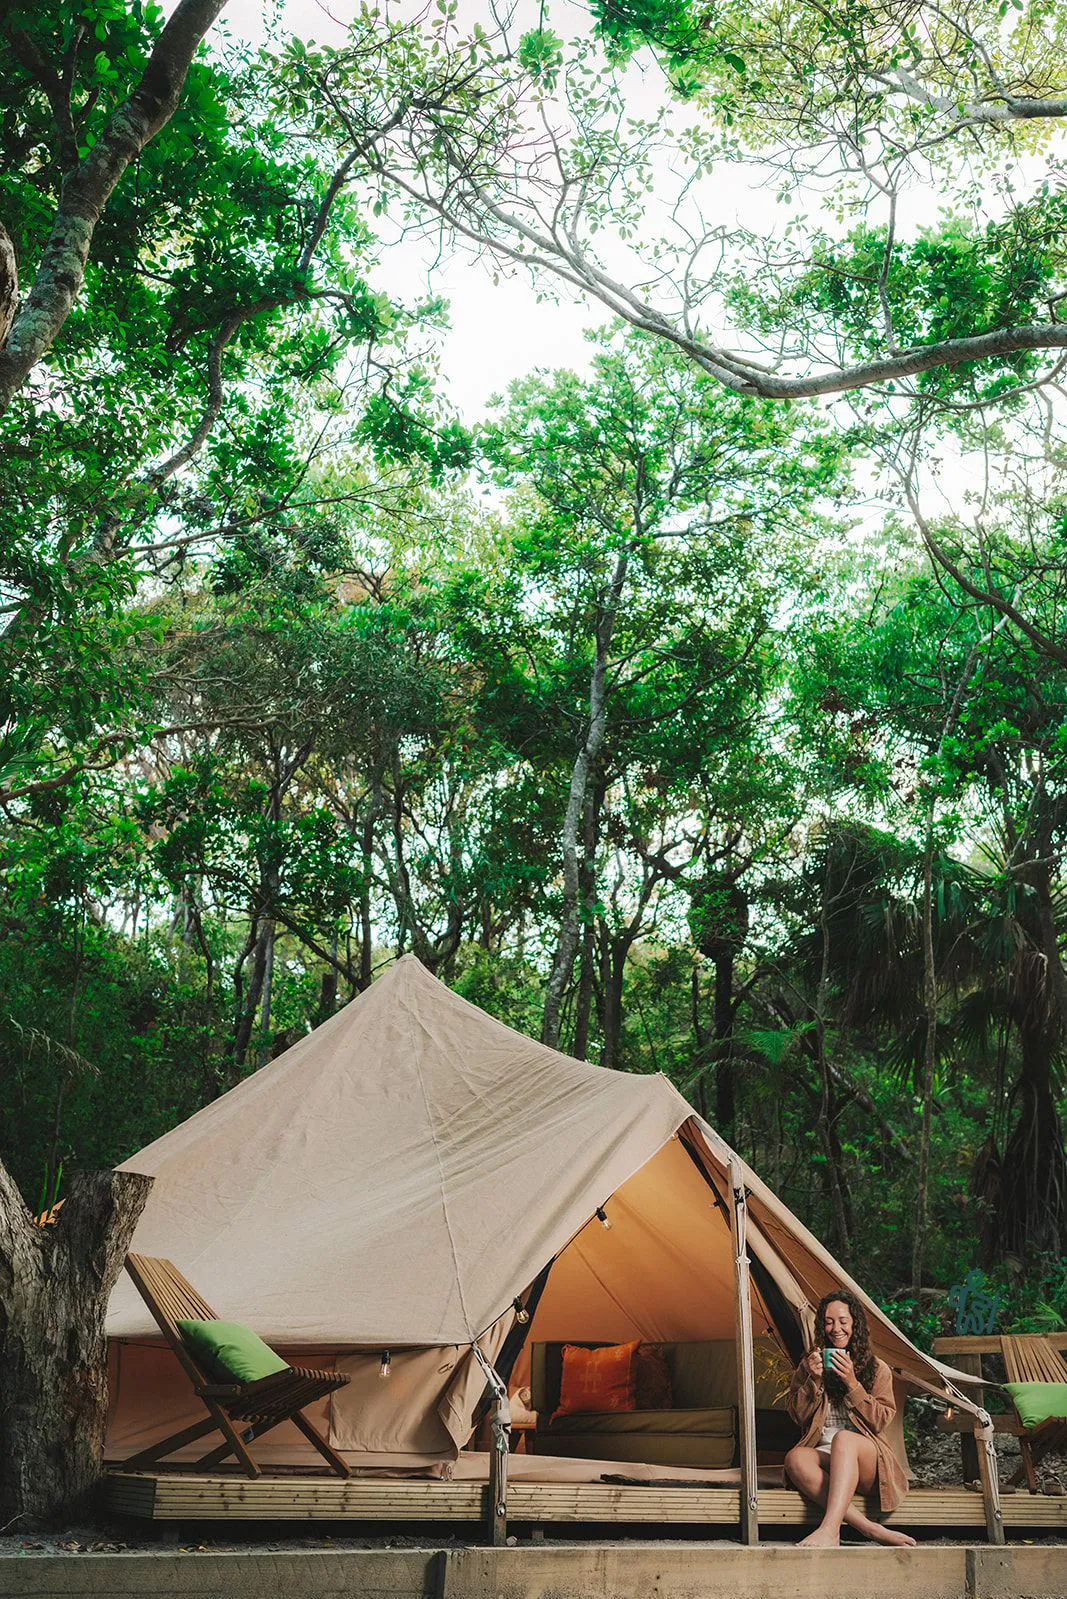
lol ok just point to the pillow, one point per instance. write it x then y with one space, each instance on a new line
654 1391
1036 1402
231 1352
598 1379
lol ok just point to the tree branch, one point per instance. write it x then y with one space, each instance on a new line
88 187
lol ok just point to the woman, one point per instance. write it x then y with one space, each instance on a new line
845 1404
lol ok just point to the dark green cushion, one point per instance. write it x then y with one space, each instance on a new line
231 1352
1036 1402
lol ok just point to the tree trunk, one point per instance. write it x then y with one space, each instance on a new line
87 189
268 994
583 1007
725 1086
586 972
9 284
570 920
700 1041
55 1283
247 1019
613 965
922 1209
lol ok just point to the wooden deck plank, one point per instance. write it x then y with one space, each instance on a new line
184 1496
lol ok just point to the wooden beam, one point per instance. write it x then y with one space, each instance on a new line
746 1379
988 1345
185 1496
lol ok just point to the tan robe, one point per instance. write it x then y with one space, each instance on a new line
870 1414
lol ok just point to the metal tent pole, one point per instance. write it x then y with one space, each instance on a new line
746 1378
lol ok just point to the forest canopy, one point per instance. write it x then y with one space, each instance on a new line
700 706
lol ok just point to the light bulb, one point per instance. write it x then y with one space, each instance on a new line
521 1313
602 1218
383 1369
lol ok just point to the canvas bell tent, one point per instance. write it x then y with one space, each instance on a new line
415 1178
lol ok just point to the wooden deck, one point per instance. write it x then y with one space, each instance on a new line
180 1496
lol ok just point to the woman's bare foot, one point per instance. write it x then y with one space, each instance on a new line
889 1535
821 1538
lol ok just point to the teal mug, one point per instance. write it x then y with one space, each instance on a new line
828 1360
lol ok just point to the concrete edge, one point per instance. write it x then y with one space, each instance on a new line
637 1570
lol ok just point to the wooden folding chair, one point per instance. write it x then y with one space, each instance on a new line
1030 1357
240 1411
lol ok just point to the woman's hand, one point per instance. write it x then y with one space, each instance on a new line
813 1361
843 1366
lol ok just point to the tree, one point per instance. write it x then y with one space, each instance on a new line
977 714
646 490
874 298
92 145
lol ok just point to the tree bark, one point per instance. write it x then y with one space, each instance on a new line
9 284
87 189
596 726
55 1283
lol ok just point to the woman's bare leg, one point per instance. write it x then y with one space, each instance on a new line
814 1475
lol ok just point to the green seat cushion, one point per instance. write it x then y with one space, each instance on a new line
232 1353
1036 1402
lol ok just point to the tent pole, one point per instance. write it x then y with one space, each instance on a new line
496 1506
746 1379
987 1475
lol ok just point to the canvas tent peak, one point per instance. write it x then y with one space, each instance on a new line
396 1178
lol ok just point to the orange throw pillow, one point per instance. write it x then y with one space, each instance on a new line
654 1390
598 1379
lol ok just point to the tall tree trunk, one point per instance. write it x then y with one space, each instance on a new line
700 1040
922 1209
268 995
583 1005
366 929
328 986
587 885
725 1086
247 1019
55 1283
596 726
826 1113
615 949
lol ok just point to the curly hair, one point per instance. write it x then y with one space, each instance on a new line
859 1345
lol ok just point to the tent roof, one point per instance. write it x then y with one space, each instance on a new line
396 1177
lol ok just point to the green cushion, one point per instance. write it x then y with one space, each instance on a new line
1036 1402
231 1352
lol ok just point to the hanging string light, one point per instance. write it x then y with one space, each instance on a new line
602 1218
521 1313
384 1368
